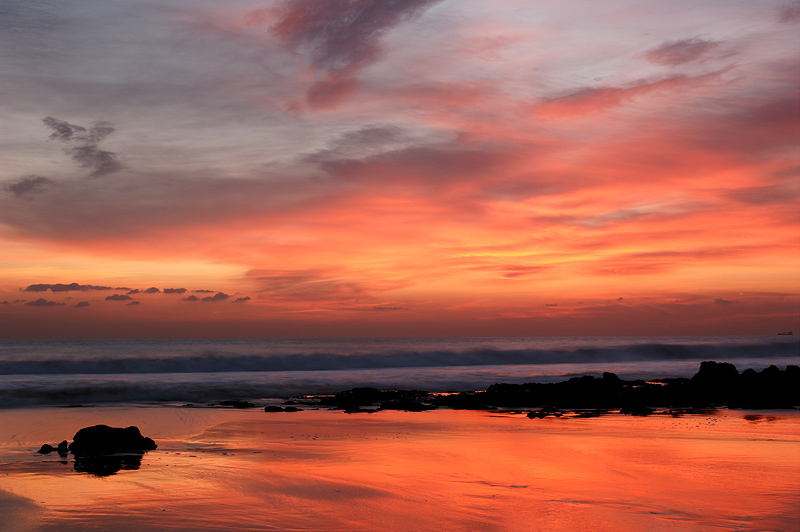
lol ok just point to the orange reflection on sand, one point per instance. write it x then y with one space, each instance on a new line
443 470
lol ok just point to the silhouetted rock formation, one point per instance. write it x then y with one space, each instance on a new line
62 448
102 450
102 439
273 408
714 385
352 400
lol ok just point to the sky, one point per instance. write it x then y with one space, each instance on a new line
357 168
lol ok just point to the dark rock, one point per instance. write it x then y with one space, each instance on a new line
237 404
102 439
372 396
63 448
544 412
716 372
637 410
46 449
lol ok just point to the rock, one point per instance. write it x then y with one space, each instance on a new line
63 448
716 373
46 449
102 439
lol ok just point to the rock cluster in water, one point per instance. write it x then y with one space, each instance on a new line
714 385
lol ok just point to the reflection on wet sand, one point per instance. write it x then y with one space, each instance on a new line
105 465
440 470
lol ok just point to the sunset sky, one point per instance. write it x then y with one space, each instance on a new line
181 168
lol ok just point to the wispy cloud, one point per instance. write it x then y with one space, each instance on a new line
342 38
60 287
83 145
674 53
41 302
28 184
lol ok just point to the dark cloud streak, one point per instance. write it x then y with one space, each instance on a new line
28 184
59 287
83 145
674 53
342 37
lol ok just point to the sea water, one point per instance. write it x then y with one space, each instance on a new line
66 372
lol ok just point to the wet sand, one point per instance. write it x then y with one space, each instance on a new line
443 470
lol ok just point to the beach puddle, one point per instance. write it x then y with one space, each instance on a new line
444 470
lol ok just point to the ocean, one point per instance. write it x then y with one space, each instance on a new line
201 371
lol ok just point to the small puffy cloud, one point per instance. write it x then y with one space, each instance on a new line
192 298
83 145
175 290
60 287
723 302
28 184
4 303
118 297
384 309
551 304
242 299
674 53
135 291
41 302
152 290
219 296
134 303
203 291
82 304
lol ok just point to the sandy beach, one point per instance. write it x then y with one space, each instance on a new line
245 470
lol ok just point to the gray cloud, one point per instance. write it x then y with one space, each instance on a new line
152 290
192 298
242 299
789 13
83 145
342 38
41 302
219 296
175 290
134 303
82 304
118 297
28 184
60 287
673 53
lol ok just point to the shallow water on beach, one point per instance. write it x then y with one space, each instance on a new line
229 470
